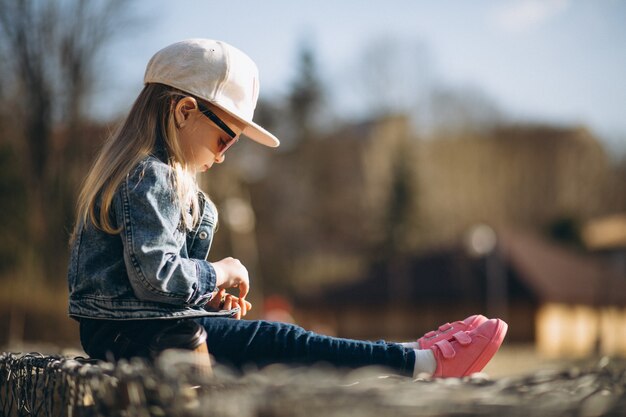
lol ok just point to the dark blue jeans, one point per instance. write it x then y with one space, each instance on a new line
239 342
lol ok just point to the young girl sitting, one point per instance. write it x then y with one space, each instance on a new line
138 261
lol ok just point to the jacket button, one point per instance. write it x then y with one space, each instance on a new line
203 235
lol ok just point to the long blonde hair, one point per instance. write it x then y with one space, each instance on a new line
151 117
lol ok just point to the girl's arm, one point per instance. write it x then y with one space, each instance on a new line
153 239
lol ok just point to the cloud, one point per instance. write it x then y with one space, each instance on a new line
522 15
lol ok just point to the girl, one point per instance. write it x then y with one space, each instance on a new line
138 265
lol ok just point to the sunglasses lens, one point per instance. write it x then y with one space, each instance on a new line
224 145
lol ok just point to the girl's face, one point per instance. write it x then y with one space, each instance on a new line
202 141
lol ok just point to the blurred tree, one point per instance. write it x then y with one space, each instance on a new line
392 75
618 185
400 204
452 110
268 114
306 96
10 208
49 50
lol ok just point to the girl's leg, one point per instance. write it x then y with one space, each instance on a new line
117 339
238 342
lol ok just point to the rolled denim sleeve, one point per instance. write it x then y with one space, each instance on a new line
153 240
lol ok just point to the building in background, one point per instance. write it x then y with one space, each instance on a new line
567 303
368 226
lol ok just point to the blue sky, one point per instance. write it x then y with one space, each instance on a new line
562 61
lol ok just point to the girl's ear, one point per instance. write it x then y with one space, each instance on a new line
183 109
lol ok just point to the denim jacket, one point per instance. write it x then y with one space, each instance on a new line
154 268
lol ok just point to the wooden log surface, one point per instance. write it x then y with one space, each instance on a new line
42 385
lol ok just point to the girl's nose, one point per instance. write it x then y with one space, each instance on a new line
219 158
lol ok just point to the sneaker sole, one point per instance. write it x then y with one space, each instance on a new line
490 350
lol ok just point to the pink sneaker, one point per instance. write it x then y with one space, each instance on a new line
469 352
446 331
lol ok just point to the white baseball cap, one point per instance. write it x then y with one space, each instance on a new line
216 72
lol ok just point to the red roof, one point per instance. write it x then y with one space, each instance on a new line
558 274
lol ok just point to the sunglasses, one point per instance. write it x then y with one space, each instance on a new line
224 145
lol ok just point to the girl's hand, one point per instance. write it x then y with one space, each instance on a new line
230 301
232 274
225 301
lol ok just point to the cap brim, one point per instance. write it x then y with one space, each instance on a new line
254 131
260 135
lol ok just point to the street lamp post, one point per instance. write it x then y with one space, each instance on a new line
482 242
